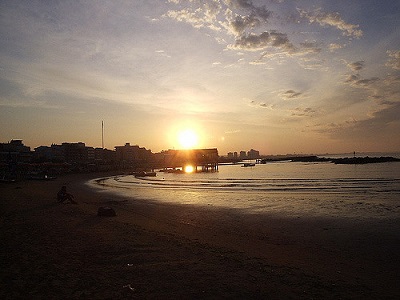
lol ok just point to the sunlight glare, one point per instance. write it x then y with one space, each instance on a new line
189 169
187 139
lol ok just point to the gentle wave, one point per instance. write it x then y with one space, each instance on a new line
381 185
290 189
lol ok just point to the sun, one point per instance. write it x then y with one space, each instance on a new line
188 139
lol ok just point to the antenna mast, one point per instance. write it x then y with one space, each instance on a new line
102 134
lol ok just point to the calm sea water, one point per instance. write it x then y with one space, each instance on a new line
285 188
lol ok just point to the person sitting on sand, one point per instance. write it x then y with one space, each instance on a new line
62 195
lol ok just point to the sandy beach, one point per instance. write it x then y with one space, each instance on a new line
160 251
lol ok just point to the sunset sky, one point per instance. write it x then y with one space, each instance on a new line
278 76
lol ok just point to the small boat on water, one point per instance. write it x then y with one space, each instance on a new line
173 170
40 176
248 165
7 179
145 174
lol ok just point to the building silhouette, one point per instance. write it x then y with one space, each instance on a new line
19 160
130 153
253 154
15 151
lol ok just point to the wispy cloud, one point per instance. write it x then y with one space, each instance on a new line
303 112
334 46
250 28
290 95
257 42
331 19
356 66
356 81
394 59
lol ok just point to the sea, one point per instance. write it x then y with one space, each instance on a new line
285 188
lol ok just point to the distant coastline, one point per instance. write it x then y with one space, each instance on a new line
343 160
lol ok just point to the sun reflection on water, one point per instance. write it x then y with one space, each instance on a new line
189 169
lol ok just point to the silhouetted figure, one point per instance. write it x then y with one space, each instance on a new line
62 195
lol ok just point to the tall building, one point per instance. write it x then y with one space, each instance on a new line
75 152
54 153
66 152
104 155
253 154
128 153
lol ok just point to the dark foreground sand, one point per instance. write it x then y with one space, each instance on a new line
156 251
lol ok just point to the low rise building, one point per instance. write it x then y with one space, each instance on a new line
15 151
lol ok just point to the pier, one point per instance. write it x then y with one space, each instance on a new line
202 160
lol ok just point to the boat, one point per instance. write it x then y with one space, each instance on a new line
41 176
7 179
145 174
248 165
172 170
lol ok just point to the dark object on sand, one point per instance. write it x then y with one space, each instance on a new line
62 195
105 211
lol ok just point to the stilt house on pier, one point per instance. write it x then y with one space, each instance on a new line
203 160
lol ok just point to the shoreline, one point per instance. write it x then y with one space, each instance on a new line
157 250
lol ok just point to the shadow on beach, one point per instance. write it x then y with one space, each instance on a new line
66 251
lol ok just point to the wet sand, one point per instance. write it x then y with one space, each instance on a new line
159 251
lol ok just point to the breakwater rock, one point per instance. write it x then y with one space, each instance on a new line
364 160
344 160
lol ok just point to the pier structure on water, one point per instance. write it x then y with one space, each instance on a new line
202 160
